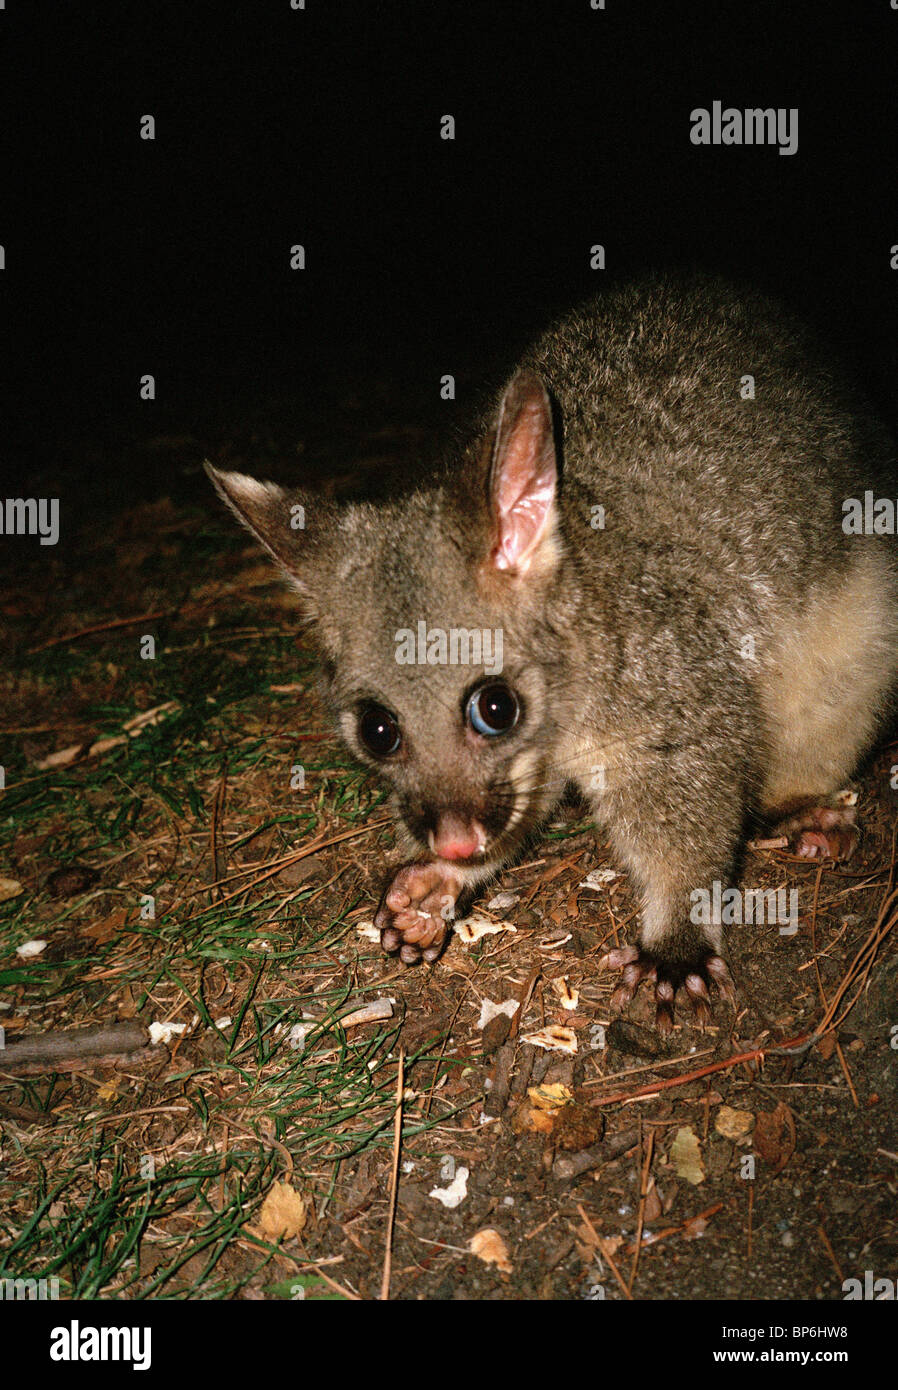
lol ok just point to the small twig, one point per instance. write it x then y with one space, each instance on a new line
218 804
394 1178
303 1265
332 1284
847 1074
500 1087
648 1066
756 1054
861 966
571 1165
72 1046
658 1236
839 1053
225 1148
643 1193
99 627
829 1250
500 1081
604 1253
524 995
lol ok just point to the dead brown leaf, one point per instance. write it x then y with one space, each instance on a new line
107 927
774 1137
283 1212
489 1246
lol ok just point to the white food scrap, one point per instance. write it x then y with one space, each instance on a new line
554 1039
599 878
165 1032
471 929
568 998
30 948
456 1192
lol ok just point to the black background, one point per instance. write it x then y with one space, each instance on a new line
321 126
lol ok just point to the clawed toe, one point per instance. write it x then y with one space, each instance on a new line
637 966
718 970
634 968
838 843
616 960
822 832
697 991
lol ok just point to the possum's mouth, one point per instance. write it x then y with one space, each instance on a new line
482 847
458 840
478 834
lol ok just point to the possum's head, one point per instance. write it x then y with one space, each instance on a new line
443 669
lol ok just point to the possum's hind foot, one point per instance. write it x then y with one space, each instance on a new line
823 832
637 966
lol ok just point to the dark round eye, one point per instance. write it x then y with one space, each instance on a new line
379 731
493 709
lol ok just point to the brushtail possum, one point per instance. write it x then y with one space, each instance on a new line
635 578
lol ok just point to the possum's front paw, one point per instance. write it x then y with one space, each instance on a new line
637 966
417 909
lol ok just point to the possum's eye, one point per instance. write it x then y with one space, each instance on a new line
493 709
379 731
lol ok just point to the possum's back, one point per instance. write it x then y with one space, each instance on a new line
706 418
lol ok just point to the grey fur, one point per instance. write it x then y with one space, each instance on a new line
628 644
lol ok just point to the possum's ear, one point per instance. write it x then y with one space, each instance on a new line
523 478
280 520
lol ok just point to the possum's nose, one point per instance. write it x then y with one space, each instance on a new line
456 837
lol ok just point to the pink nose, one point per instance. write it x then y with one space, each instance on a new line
456 838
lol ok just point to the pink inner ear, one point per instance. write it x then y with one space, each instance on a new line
524 474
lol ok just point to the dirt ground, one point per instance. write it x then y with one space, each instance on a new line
749 1160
